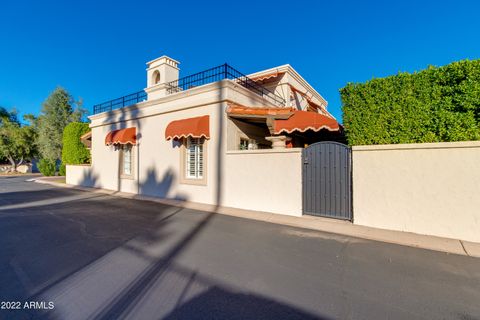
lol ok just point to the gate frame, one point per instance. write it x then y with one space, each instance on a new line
350 174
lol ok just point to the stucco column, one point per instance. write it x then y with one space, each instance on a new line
278 142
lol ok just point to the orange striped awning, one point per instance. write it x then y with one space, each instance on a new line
122 136
198 127
305 120
266 76
235 109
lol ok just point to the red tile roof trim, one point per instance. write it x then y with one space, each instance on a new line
241 110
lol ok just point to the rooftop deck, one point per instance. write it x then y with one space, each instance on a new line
211 75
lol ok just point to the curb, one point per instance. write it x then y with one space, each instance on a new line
337 227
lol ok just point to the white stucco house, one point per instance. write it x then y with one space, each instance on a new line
216 137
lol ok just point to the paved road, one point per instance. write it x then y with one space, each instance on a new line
97 256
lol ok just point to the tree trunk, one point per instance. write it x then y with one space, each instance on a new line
13 163
20 162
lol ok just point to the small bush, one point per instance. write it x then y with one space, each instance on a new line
46 167
74 152
62 171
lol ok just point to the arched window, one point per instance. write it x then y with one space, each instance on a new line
156 77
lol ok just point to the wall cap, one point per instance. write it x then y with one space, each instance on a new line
414 146
78 165
264 151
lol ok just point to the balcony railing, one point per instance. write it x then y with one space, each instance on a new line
120 102
222 72
219 73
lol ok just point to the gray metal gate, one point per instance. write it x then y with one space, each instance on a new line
327 190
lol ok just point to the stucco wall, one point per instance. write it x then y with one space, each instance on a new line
431 188
264 180
157 165
80 175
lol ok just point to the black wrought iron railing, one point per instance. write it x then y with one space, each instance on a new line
120 102
222 72
215 74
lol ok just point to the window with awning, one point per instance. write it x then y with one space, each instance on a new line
192 132
124 140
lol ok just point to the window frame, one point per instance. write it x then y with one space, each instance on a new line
121 168
185 178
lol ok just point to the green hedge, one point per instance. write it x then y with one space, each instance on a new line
74 152
433 105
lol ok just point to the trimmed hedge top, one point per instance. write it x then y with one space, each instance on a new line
433 105
74 152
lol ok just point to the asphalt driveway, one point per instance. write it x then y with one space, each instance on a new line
69 254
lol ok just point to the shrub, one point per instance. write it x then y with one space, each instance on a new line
74 152
433 105
62 171
46 167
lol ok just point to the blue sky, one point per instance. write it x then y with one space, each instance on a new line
97 50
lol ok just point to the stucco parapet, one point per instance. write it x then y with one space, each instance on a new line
156 61
419 146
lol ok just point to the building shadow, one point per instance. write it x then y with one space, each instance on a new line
220 303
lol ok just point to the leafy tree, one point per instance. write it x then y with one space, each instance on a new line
8 115
58 110
17 141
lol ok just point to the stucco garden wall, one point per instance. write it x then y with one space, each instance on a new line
264 180
78 175
430 188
